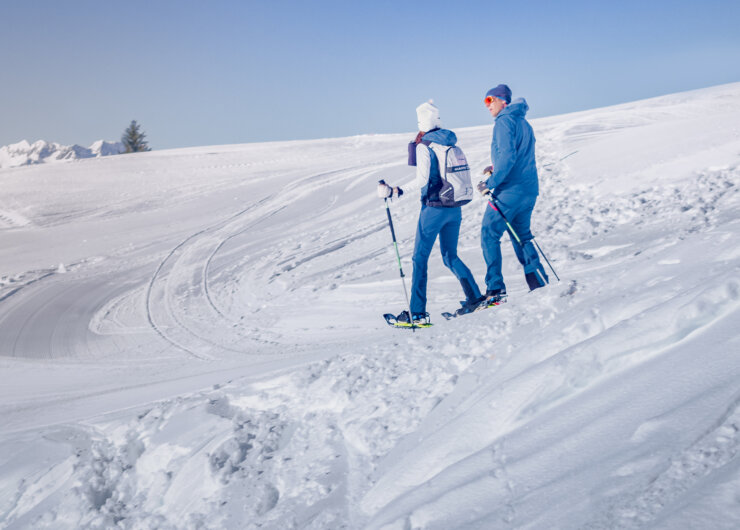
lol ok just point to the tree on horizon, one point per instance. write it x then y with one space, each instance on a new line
134 139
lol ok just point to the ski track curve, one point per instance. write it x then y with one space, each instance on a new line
194 257
163 274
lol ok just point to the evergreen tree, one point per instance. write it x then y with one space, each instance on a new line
133 139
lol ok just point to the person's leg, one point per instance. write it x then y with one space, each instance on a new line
448 238
519 217
492 229
426 233
526 252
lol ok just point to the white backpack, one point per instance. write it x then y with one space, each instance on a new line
457 188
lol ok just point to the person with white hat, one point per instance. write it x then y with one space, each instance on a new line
435 219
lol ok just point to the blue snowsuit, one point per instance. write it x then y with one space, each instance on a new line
515 186
436 220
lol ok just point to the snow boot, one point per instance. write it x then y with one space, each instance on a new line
536 279
495 296
419 318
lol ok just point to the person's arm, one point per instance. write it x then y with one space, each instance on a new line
423 165
503 152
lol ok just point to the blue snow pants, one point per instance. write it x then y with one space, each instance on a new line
444 222
518 210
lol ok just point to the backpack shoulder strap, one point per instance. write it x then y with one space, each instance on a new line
433 157
431 151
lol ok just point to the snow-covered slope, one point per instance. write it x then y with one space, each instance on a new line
24 153
192 338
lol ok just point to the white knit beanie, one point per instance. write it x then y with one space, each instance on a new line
427 116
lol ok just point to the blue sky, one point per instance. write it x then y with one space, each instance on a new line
222 72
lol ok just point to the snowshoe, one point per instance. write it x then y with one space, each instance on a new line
420 320
490 299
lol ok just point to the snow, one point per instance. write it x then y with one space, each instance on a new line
23 153
192 338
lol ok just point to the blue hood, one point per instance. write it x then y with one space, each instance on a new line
440 136
518 108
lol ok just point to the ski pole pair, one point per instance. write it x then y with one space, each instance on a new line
493 204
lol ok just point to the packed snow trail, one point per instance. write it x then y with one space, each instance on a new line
210 354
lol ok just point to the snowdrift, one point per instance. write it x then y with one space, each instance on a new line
192 338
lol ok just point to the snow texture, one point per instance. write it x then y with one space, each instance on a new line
193 338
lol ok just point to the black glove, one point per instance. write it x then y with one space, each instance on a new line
488 170
483 188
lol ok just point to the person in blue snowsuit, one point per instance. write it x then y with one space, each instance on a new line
513 184
434 219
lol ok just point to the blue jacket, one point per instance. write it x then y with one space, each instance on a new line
512 153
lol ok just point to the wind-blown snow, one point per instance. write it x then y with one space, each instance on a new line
25 154
192 338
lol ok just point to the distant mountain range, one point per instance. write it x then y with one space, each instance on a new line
24 153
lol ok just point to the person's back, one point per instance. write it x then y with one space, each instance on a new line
512 152
428 167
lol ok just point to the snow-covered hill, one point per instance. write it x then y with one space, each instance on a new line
24 153
192 338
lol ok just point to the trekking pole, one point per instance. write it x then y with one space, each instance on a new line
398 257
492 204
547 260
